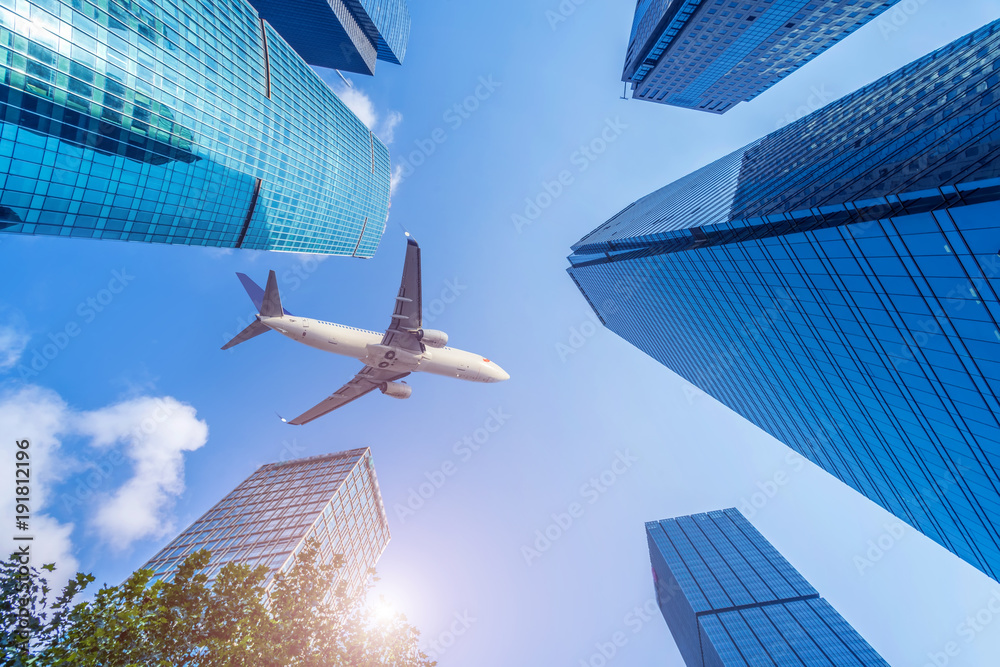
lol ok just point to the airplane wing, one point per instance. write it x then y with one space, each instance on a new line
366 380
407 316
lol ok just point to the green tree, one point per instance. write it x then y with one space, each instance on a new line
28 615
187 622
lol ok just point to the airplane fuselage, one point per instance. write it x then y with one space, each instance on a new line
366 346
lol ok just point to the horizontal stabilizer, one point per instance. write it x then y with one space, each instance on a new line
256 328
255 292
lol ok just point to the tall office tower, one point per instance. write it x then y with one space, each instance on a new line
836 283
731 600
333 499
177 121
341 34
712 54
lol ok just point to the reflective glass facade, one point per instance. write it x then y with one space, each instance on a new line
334 499
731 600
712 54
348 35
175 121
836 283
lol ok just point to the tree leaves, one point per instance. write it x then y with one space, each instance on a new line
233 622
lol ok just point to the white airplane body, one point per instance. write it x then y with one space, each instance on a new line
406 347
365 346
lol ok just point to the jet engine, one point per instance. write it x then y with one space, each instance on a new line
433 337
396 389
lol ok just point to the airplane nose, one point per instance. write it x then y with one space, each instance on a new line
502 375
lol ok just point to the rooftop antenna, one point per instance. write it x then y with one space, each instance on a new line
624 90
406 232
345 79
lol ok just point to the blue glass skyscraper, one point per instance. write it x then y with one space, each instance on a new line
712 54
177 121
731 600
836 283
349 35
332 499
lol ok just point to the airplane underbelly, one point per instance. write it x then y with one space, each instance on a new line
346 348
451 366
333 339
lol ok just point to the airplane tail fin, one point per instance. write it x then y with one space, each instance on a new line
268 304
256 328
271 302
261 297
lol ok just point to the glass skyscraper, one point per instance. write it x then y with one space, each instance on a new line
333 499
349 35
712 54
176 121
731 600
836 283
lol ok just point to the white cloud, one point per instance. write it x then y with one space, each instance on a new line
360 104
155 432
309 259
150 434
395 179
13 342
387 130
384 127
39 416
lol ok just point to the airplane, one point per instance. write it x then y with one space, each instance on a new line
405 347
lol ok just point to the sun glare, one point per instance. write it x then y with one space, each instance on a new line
384 610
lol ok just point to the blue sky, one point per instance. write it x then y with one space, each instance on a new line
127 335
